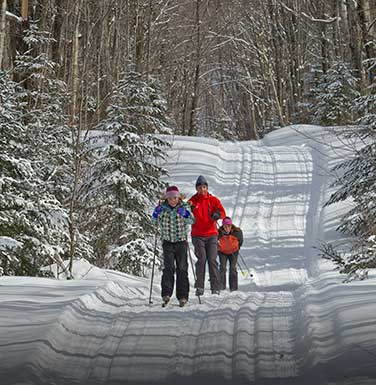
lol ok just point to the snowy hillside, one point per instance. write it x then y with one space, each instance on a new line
294 322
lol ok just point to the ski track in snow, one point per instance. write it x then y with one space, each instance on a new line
264 197
293 323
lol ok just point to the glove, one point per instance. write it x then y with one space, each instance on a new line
215 216
183 212
157 211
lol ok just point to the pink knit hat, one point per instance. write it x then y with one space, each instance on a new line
172 192
226 221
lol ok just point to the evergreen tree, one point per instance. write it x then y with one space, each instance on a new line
43 102
125 177
333 96
358 184
33 224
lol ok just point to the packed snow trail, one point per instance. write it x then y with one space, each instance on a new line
293 323
267 191
104 336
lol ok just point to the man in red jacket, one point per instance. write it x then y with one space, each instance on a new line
207 209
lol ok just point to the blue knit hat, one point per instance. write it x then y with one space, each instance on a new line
201 180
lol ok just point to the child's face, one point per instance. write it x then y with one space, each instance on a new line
227 228
173 201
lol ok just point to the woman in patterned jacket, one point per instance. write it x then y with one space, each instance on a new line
174 217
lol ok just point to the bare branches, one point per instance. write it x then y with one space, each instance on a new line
12 16
235 59
309 17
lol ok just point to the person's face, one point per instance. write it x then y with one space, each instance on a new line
227 228
173 201
202 189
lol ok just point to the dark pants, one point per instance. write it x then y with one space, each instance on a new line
206 250
233 274
175 253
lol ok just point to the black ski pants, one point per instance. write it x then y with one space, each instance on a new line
206 250
175 254
233 273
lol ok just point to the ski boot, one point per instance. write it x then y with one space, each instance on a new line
166 300
182 302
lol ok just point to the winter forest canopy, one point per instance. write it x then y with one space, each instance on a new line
88 89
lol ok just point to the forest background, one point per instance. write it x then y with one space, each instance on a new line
74 72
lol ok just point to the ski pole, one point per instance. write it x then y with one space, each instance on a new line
239 265
152 270
241 269
245 265
193 270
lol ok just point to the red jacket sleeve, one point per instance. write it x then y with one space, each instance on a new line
217 206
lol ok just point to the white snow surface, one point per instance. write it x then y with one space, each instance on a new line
8 243
294 322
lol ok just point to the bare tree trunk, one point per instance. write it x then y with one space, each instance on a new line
56 32
253 134
17 42
324 40
293 46
25 9
344 29
148 39
185 95
76 138
368 39
354 39
277 62
101 60
196 77
276 96
118 52
337 38
252 129
140 32
2 30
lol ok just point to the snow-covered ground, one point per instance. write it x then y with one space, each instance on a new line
294 322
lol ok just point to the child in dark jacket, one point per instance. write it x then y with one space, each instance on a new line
174 217
230 239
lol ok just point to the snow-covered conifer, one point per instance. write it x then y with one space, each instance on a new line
125 175
42 98
33 224
334 95
357 182
43 101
